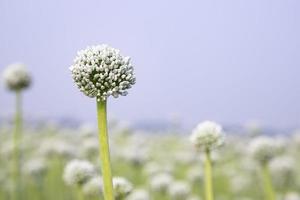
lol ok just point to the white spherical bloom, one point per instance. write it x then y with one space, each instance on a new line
161 182
263 149
122 187
139 194
78 172
179 190
35 167
207 135
292 196
101 71
93 187
16 77
283 170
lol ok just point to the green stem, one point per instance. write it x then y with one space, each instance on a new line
17 135
208 177
267 182
104 150
80 195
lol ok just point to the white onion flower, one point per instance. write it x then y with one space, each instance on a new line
101 71
16 77
207 135
263 149
57 147
93 187
179 190
35 167
122 187
139 194
78 172
161 182
284 173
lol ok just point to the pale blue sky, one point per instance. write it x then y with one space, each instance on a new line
229 61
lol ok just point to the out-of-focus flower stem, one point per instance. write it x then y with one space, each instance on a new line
80 195
267 182
208 177
17 136
104 150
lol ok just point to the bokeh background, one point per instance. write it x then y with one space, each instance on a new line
230 61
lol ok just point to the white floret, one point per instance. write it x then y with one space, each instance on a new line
207 135
78 172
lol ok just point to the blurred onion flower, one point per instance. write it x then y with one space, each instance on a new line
78 172
283 170
101 71
161 182
263 149
57 147
35 167
16 77
122 187
179 190
93 187
139 194
207 135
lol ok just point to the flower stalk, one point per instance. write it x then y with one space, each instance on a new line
208 176
80 195
267 183
17 135
104 150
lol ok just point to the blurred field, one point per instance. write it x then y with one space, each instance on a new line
140 157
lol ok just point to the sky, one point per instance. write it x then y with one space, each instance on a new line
229 61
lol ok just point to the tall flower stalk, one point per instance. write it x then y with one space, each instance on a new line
17 137
267 182
263 150
206 137
208 177
104 150
99 72
16 79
